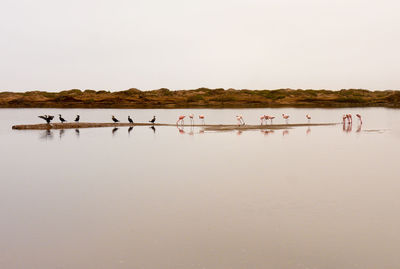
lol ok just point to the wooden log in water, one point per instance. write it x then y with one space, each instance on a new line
210 127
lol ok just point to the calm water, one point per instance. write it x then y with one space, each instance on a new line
319 197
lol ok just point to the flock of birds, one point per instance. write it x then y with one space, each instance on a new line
49 118
264 119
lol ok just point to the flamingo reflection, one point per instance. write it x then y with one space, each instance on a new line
181 130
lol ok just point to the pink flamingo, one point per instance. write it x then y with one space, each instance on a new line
349 118
271 118
191 119
308 117
344 119
262 118
359 117
180 120
202 118
240 120
286 117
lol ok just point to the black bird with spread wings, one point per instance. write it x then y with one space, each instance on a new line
47 118
153 120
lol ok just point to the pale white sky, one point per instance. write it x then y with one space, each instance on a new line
182 44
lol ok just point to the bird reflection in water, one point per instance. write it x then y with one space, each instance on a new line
77 132
267 132
61 133
359 128
153 128
191 132
201 131
347 128
239 132
308 130
285 132
46 135
130 129
181 130
114 130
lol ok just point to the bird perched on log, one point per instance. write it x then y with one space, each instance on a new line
47 118
114 119
61 118
153 120
130 119
77 118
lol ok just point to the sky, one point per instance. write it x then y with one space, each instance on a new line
182 44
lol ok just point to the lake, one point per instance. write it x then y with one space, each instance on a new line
307 197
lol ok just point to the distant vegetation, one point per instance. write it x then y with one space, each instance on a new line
201 98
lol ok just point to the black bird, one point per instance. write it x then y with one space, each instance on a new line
47 118
77 118
153 120
114 119
61 118
130 120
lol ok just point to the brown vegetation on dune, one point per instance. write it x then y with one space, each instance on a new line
201 98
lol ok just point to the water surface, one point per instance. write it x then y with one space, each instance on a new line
320 197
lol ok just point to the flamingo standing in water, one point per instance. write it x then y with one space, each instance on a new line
286 117
308 118
262 118
191 119
240 120
344 119
180 119
271 118
349 118
201 117
359 117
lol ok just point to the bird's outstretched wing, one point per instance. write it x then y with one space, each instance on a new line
51 117
42 117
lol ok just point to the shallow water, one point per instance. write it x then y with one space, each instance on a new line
319 197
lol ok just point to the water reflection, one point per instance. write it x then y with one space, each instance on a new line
153 128
114 130
46 134
347 128
285 132
359 128
77 132
267 132
181 130
308 130
191 131
130 129
62 131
